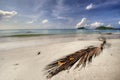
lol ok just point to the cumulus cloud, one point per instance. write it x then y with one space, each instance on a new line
118 22
45 21
7 14
82 23
90 6
96 24
109 25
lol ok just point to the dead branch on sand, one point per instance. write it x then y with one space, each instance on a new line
83 56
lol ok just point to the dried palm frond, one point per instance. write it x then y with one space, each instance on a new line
83 56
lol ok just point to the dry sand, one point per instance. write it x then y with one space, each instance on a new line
23 63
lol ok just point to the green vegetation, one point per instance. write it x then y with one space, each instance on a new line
81 28
105 28
101 28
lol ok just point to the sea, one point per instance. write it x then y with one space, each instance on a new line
39 32
10 39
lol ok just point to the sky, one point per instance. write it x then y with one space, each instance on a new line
58 14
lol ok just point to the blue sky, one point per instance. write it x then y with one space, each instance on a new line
58 14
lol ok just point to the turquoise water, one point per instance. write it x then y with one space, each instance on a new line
53 31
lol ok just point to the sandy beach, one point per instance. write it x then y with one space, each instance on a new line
59 39
19 59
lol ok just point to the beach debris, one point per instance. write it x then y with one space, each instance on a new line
111 54
108 33
38 53
16 64
82 56
2 58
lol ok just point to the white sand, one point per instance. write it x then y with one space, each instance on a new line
19 62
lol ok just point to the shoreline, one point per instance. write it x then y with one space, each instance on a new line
16 42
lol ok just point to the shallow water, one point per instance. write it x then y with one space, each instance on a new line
39 32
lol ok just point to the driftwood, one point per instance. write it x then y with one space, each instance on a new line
83 56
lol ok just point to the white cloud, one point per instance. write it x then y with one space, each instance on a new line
30 22
109 25
82 23
45 21
118 22
90 6
7 14
96 24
